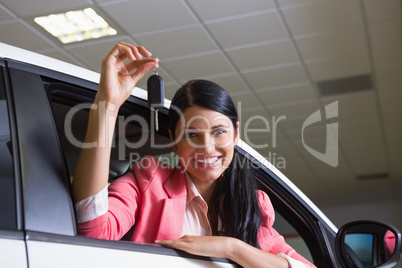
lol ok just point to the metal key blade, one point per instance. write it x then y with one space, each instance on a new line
156 120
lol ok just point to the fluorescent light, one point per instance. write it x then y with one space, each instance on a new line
75 26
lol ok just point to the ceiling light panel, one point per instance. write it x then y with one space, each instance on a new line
75 26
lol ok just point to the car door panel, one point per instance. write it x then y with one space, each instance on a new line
47 250
13 251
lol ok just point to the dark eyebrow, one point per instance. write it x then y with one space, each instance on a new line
218 126
214 127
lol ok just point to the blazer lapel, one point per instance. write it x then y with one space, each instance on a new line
174 206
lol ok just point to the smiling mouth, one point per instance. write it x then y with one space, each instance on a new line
207 160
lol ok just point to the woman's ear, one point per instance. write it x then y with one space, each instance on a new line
172 141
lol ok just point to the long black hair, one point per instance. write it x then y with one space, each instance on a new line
234 200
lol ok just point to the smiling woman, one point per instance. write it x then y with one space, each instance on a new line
205 149
207 205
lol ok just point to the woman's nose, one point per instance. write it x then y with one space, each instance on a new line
207 144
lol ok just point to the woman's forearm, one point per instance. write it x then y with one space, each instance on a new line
251 257
92 170
226 247
122 69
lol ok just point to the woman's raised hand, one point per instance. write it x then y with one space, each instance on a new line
122 69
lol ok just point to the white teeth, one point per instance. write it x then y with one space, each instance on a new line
208 160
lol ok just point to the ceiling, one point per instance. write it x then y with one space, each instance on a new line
271 55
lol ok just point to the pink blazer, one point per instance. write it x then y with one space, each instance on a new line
153 198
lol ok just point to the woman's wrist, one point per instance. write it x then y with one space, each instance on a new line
105 109
233 246
108 106
101 125
249 256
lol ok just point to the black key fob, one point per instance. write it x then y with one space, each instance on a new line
156 95
156 92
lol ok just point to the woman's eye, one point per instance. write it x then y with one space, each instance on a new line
219 131
189 135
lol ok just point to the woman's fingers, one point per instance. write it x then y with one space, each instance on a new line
122 52
125 58
141 67
137 67
143 51
182 244
211 246
125 51
122 69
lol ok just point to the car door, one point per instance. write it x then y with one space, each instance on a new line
43 100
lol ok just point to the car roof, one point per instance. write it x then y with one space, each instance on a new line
19 54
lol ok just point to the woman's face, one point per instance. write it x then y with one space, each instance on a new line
205 143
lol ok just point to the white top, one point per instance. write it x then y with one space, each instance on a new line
196 216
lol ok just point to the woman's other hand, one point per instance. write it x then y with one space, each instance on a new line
227 247
210 246
122 69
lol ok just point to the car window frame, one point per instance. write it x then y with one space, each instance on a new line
313 230
4 80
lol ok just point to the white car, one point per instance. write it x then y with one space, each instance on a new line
43 117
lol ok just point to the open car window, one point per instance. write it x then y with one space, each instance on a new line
292 236
132 137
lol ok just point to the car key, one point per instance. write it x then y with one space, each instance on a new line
156 94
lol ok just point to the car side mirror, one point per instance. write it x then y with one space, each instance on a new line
363 244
